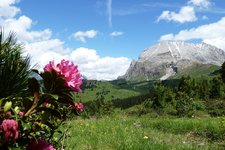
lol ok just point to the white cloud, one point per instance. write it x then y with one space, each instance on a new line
95 67
204 17
167 37
84 55
43 48
213 33
200 3
89 62
22 27
186 14
82 35
116 33
43 51
7 10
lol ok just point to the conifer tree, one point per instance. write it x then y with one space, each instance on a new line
14 67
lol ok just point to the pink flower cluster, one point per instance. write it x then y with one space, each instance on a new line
40 145
21 113
9 128
69 71
78 106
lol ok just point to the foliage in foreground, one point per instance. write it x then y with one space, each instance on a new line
33 122
14 68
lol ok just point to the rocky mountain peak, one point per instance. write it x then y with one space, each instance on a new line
155 61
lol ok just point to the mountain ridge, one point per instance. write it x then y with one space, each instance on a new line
166 58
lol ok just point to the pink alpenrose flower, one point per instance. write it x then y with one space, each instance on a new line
51 66
67 70
10 131
21 113
40 145
78 106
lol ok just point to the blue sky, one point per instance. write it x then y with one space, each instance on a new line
103 36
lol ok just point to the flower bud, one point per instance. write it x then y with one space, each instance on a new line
42 125
17 109
8 114
7 106
21 113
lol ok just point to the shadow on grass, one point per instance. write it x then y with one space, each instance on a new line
129 102
143 87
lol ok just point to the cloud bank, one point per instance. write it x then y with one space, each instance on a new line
186 13
42 47
213 33
200 3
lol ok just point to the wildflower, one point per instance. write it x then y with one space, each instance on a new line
68 71
46 104
78 106
71 74
40 145
145 137
21 113
9 128
51 66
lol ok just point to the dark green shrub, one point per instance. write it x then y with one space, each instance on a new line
216 108
99 106
14 67
184 104
216 88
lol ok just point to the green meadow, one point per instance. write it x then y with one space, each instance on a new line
119 115
145 133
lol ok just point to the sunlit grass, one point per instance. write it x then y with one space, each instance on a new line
122 132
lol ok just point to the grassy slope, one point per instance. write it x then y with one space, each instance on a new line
197 71
121 89
123 132
115 89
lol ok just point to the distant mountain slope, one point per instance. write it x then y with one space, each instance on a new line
165 59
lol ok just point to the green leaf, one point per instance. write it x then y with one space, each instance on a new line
48 81
1 100
66 98
7 106
27 102
14 148
59 131
54 96
33 85
26 126
49 98
53 112
50 125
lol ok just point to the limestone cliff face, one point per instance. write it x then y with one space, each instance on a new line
166 58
